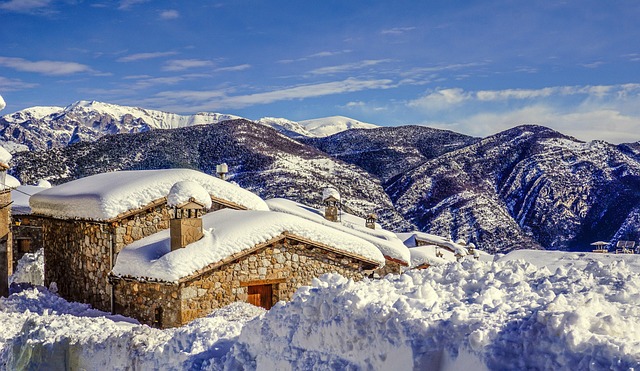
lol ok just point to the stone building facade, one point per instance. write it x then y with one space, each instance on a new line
81 253
262 275
6 251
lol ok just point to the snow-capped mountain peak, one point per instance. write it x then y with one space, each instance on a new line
289 128
325 126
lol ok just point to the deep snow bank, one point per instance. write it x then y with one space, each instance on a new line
509 315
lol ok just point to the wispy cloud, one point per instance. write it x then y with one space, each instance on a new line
169 14
127 4
397 30
7 84
221 99
144 56
183 64
440 99
25 6
240 67
45 67
322 54
348 67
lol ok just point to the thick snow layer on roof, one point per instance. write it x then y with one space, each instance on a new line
20 197
330 192
227 232
11 181
105 196
409 239
185 190
387 242
5 156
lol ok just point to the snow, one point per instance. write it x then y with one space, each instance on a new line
287 127
30 268
11 182
43 183
3 104
469 315
105 196
186 190
5 156
323 127
227 232
20 196
153 118
37 113
384 240
429 255
409 239
330 192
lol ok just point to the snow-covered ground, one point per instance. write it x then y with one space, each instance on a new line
514 313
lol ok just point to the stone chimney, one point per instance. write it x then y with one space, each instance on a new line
370 221
222 171
188 201
331 202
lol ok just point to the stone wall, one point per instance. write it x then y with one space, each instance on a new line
390 267
77 258
6 251
29 230
285 265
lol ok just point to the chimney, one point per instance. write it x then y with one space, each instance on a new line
331 202
188 201
222 170
186 224
370 221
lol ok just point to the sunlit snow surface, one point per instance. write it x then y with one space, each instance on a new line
502 315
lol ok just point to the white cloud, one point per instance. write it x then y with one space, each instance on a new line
220 99
397 30
127 4
240 67
14 84
169 14
438 100
348 67
44 67
144 56
183 64
25 6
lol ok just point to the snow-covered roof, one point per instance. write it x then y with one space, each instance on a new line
186 190
409 239
20 196
228 232
105 196
5 156
387 242
427 255
330 192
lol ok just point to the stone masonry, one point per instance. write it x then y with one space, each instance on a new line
285 265
6 259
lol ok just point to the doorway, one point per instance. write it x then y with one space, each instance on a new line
260 296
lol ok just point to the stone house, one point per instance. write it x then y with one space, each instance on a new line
87 222
260 257
26 228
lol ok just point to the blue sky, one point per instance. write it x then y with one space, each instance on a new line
476 67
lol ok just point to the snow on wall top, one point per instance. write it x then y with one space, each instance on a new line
387 242
410 241
427 255
105 196
227 232
183 191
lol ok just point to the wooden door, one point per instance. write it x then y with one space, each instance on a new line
260 296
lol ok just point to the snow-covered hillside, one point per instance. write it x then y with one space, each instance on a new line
513 313
323 127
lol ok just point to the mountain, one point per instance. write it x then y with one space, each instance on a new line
528 186
388 151
41 128
326 126
260 159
